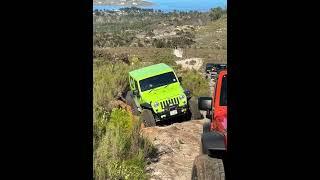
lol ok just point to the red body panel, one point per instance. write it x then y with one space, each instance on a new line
219 120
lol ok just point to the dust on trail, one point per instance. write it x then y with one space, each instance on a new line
177 145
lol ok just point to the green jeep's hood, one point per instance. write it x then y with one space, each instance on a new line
162 93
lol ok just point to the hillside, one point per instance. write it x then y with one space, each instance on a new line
140 3
133 30
213 35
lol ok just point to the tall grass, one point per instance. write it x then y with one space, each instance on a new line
195 82
122 151
119 150
110 80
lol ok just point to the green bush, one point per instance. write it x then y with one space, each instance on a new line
100 120
193 62
168 59
122 151
110 80
216 13
159 43
108 83
195 82
119 151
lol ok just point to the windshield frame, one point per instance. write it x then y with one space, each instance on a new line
143 89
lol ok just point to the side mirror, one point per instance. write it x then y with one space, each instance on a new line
188 93
135 92
205 103
180 79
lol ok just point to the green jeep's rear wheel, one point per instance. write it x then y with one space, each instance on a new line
130 102
148 118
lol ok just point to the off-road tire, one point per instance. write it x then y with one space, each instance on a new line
131 103
188 115
206 127
205 167
148 118
193 108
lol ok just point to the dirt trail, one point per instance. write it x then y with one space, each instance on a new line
178 144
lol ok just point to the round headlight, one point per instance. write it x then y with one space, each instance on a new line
181 96
156 104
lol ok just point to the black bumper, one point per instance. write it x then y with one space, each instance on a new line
180 111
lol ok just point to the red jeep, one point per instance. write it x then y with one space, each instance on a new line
209 165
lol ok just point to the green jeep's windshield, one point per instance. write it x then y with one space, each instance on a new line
157 81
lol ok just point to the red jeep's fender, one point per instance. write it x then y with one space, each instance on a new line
219 120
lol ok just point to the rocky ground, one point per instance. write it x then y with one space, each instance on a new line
178 144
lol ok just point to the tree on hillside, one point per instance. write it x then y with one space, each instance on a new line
97 13
158 43
215 13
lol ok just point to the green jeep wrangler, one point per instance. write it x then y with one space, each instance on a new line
156 94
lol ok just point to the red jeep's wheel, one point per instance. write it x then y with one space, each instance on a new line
205 167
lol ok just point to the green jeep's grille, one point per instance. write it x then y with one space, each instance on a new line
166 103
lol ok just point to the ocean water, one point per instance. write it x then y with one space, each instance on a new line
179 5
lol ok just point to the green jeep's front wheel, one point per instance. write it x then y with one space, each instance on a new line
148 118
